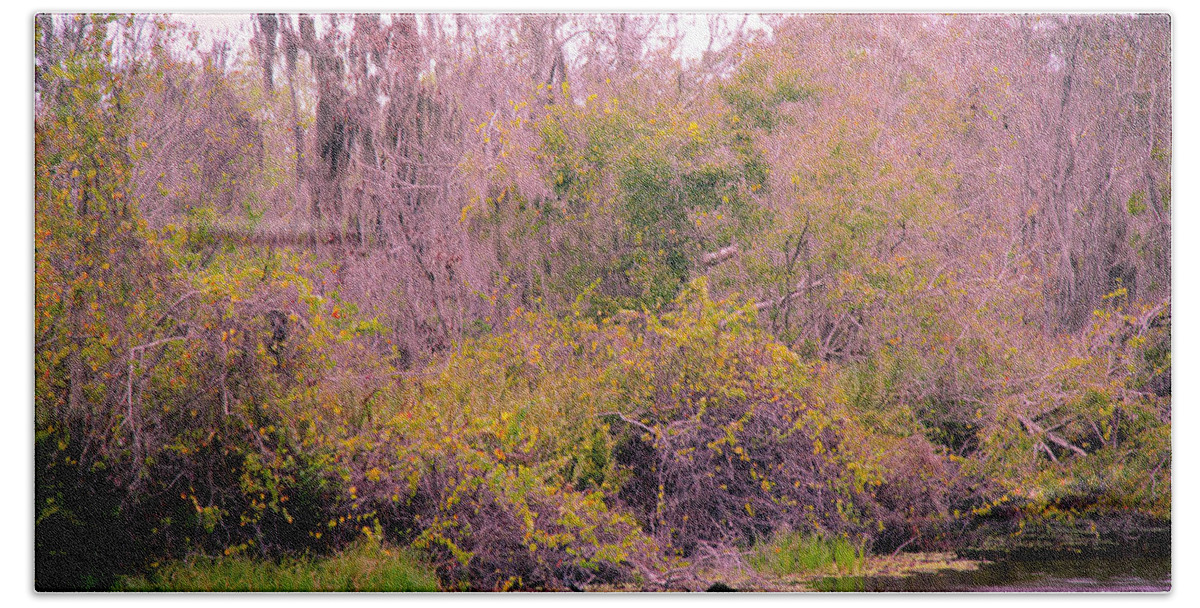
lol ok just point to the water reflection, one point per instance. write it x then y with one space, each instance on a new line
1070 573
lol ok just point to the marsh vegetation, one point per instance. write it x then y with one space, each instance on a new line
550 302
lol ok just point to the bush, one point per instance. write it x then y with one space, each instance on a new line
194 427
567 452
496 465
726 436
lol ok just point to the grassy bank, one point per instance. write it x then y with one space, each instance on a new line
366 566
791 553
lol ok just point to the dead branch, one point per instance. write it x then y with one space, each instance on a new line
629 421
784 299
1037 430
720 255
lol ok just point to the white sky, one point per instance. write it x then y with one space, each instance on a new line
216 26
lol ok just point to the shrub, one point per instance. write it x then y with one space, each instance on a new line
725 435
496 465
567 452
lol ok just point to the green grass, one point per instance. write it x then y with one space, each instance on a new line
366 566
791 553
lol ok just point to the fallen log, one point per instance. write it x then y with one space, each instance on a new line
720 255
1036 429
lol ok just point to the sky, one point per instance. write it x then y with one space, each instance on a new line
217 26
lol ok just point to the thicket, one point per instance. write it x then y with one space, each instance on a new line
590 327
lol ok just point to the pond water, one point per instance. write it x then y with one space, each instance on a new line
1097 573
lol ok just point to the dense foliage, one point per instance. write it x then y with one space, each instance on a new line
543 302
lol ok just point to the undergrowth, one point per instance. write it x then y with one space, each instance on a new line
792 553
367 565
